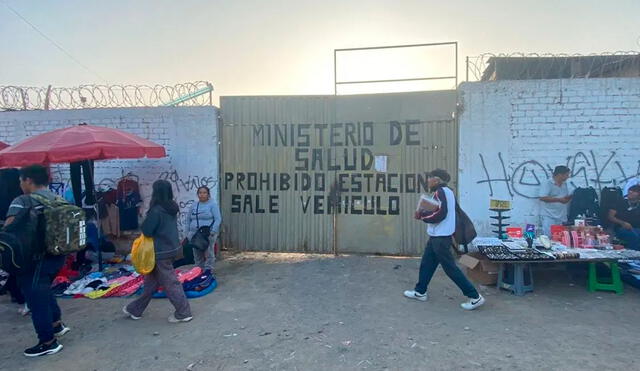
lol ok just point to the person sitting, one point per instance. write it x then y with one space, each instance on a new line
625 218
630 183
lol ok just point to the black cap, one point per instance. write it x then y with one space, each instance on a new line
561 170
440 173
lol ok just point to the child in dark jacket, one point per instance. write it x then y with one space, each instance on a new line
161 223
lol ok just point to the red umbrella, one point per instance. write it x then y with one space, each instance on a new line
3 145
79 143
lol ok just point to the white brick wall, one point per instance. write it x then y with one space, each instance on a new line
591 125
189 135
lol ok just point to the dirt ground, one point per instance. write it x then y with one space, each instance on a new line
301 312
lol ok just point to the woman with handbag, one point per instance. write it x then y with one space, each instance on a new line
161 224
203 221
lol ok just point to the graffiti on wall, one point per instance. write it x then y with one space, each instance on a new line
184 186
188 183
587 170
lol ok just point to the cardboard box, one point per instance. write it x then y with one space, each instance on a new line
427 203
480 269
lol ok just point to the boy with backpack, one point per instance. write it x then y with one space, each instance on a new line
53 228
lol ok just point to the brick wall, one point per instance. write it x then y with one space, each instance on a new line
512 134
189 135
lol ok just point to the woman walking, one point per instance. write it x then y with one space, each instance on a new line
204 214
161 223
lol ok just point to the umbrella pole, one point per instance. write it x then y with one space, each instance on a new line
92 176
91 170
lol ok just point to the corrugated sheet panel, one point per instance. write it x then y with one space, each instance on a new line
286 227
261 137
428 115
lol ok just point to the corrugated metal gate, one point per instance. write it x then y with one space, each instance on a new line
332 173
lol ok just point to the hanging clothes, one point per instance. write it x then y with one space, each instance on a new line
129 207
86 170
129 202
109 196
111 222
9 189
127 185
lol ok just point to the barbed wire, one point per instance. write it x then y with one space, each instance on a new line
519 66
21 98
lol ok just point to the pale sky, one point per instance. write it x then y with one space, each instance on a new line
253 47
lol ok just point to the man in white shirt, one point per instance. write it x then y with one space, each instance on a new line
441 225
554 197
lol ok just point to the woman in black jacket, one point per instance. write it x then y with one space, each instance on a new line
161 223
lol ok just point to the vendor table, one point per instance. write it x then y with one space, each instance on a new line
519 286
521 270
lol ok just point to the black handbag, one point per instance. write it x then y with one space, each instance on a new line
465 231
200 239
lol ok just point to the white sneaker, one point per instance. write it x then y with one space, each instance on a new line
60 330
125 311
473 303
173 319
23 311
412 294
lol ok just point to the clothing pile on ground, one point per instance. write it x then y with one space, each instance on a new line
121 280
115 280
195 282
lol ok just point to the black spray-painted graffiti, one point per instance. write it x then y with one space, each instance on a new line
586 171
185 207
189 183
333 168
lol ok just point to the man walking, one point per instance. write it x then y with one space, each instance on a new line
35 281
441 225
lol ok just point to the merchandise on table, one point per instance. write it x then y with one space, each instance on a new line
514 232
487 241
566 255
504 253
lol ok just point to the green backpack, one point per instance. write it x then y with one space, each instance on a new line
65 231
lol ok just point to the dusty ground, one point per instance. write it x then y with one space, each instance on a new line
297 312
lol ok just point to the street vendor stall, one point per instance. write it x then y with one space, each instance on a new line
81 144
517 257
